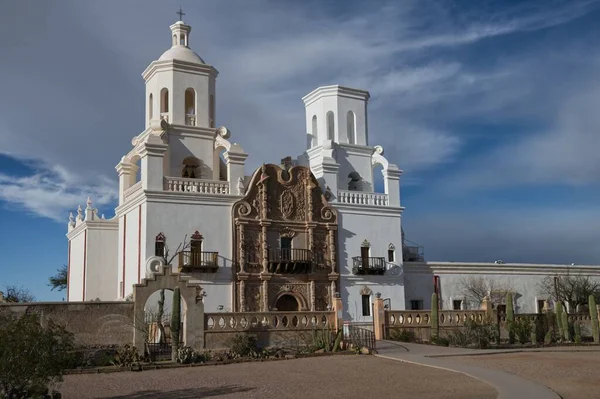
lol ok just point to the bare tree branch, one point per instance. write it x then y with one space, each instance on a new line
566 288
476 288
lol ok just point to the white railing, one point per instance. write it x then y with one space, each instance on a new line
190 120
362 198
132 191
185 185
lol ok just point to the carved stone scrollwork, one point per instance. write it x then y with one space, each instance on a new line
327 213
365 290
287 232
287 204
244 208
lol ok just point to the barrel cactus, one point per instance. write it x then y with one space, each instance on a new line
175 323
510 318
594 317
435 321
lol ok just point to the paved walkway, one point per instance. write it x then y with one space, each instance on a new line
508 386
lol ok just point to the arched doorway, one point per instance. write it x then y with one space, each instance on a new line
287 303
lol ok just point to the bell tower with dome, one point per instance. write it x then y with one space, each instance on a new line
180 86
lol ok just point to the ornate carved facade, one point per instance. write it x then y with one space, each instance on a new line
285 243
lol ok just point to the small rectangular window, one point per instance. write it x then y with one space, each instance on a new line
159 248
457 304
366 305
416 304
390 255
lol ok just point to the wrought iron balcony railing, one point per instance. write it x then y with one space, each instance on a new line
413 253
292 261
371 265
205 262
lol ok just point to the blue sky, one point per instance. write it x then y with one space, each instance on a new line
491 108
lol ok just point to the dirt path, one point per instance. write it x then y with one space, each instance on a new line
570 374
330 377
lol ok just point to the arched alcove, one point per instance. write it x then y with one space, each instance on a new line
314 131
219 164
150 107
351 127
191 301
287 303
174 40
164 101
191 168
378 182
159 325
190 107
330 126
211 110
136 160
182 39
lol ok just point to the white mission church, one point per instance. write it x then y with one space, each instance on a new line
283 237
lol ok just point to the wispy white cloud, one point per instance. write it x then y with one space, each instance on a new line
52 192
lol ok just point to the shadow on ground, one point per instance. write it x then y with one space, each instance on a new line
183 393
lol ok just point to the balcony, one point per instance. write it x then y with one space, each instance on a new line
369 265
190 120
203 262
362 198
290 261
195 186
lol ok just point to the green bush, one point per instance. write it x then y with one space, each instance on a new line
245 345
439 340
521 328
402 335
473 335
323 339
187 355
32 357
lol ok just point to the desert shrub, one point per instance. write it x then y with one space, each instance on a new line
126 356
473 335
222 355
32 357
187 355
439 340
244 345
521 328
403 335
323 339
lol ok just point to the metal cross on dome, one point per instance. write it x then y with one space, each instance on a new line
180 12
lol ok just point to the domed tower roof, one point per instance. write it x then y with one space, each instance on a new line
180 50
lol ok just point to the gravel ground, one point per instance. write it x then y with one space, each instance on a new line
330 377
570 374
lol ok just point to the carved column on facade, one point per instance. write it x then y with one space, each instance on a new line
332 249
313 296
242 296
332 292
265 296
242 248
309 190
264 243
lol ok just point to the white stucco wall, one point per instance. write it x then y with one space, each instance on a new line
381 227
76 263
523 279
212 218
101 271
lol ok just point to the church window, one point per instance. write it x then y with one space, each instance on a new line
351 128
159 245
315 131
211 110
174 40
190 107
390 255
330 126
366 305
286 248
150 105
416 304
182 40
164 100
457 304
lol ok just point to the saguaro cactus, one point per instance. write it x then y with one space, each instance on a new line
175 323
594 316
435 321
565 324
559 320
510 318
